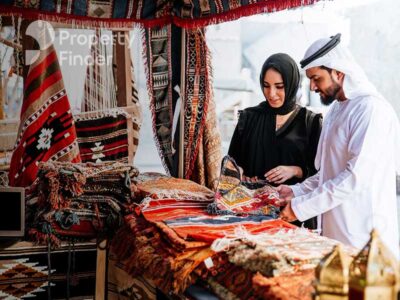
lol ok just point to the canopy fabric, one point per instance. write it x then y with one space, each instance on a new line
125 13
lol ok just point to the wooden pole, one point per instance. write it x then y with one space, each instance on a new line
1 97
182 113
123 71
101 270
11 44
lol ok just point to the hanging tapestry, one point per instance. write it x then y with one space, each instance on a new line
164 74
207 166
47 130
113 13
105 136
197 95
159 84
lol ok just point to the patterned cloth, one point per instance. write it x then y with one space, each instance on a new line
24 271
105 136
227 280
197 95
166 239
180 206
164 72
47 131
234 197
159 12
284 252
123 286
159 83
176 188
166 259
207 166
100 98
79 201
297 286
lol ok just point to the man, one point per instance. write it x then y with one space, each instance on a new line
354 190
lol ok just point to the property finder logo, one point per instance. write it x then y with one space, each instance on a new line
43 33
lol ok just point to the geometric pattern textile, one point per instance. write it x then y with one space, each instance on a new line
197 95
164 71
47 131
24 271
236 197
157 43
115 13
16 269
283 252
104 136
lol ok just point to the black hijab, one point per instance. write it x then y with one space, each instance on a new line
254 148
289 71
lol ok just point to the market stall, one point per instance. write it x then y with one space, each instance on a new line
199 225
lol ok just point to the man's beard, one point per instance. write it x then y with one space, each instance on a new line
330 95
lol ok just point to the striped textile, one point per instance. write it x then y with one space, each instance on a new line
190 221
47 130
105 136
208 228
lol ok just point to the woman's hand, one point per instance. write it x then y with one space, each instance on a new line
249 179
280 174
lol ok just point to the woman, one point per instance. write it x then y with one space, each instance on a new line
277 139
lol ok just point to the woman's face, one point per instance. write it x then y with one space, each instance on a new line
274 89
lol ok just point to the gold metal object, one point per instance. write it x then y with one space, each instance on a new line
333 276
374 273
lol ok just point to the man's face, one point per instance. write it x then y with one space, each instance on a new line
324 82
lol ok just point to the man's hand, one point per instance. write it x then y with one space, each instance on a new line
285 194
287 213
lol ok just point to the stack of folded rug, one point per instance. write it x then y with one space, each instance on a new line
278 265
79 201
168 237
